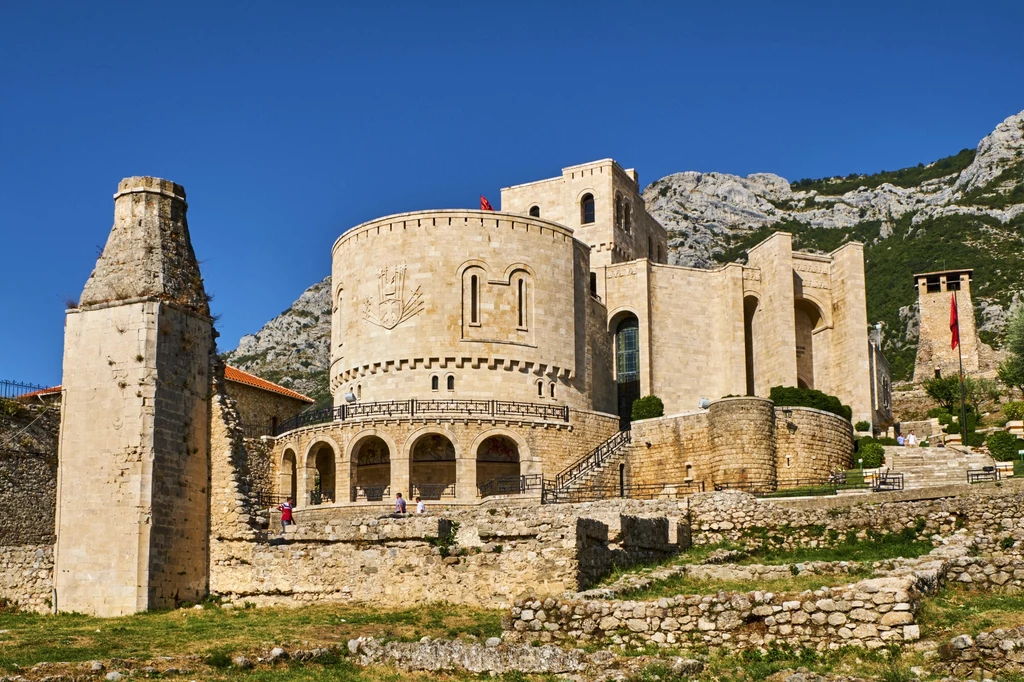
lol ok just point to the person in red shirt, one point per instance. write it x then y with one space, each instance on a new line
286 514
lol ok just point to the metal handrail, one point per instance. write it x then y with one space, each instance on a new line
432 491
371 493
646 491
414 407
511 485
592 460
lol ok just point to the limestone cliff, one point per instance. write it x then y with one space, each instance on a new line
294 348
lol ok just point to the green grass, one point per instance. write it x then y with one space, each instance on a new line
31 638
956 610
682 584
1018 468
876 548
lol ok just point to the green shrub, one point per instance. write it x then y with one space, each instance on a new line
648 407
790 396
872 455
1014 411
1004 446
938 412
862 426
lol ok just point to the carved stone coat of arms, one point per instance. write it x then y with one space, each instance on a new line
392 308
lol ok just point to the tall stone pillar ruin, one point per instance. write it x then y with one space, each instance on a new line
133 473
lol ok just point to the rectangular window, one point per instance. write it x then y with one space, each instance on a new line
474 303
933 285
953 284
522 304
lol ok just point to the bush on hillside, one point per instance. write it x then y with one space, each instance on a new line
790 396
1003 446
871 455
862 426
648 407
1014 411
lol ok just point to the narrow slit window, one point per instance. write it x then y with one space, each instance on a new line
552 390
451 383
540 389
625 216
593 284
474 309
522 303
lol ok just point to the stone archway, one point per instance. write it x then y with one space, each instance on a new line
808 318
497 462
370 470
321 479
432 467
287 477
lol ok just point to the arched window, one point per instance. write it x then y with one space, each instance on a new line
451 383
540 388
625 216
535 211
359 391
521 297
474 300
627 366
587 209
618 211
552 390
433 383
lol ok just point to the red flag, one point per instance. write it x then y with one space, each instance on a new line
954 323
484 204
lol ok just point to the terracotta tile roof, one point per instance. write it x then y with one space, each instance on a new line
240 377
230 373
41 393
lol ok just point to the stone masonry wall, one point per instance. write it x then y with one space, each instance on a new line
28 494
742 438
811 443
26 576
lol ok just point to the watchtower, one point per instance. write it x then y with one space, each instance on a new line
935 357
133 472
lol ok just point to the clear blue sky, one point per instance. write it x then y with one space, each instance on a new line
288 123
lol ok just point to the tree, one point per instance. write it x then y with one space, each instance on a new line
1011 371
943 390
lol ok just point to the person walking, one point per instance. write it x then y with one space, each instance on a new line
420 507
286 514
911 440
399 503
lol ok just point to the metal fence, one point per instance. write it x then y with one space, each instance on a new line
511 485
14 389
427 408
647 491
592 460
432 491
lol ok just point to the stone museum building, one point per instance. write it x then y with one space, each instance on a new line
469 348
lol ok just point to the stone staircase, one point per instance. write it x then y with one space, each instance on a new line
599 468
927 467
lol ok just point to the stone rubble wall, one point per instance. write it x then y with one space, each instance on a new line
1000 650
396 561
232 515
1003 573
28 498
870 613
26 576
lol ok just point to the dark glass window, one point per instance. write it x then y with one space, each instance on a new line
535 211
433 383
451 383
587 209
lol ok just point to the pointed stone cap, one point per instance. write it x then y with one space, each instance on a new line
149 252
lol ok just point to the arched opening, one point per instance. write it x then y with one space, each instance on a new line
522 291
689 472
627 366
535 211
626 218
618 211
498 458
451 382
474 300
433 383
540 388
287 479
749 311
432 468
371 470
808 318
587 209
552 390
322 491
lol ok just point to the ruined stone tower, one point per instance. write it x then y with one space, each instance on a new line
934 355
133 476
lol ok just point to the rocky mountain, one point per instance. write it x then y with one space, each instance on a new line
294 348
965 210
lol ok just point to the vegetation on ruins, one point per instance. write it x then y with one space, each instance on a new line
862 425
648 407
791 396
1014 411
871 455
1004 446
1011 371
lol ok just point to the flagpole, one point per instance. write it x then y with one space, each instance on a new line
960 353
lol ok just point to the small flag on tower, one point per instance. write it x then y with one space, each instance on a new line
484 204
954 323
